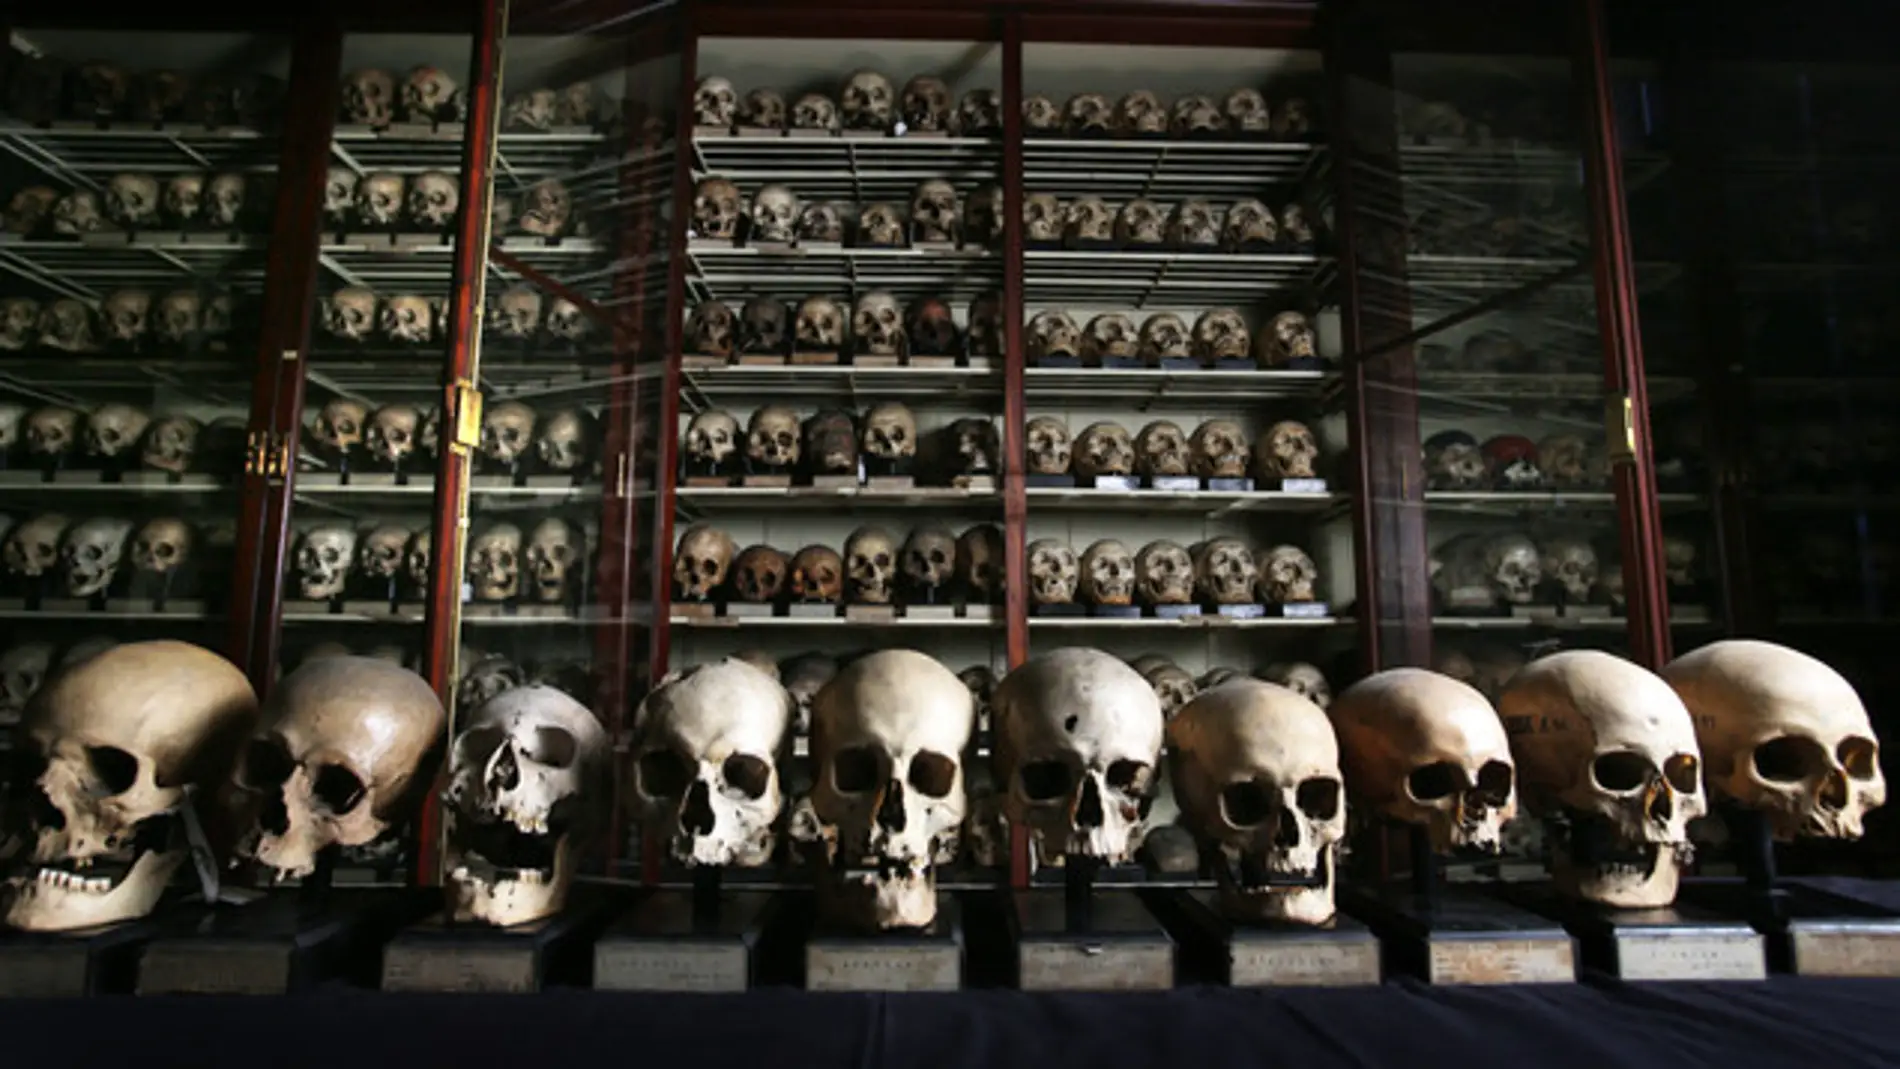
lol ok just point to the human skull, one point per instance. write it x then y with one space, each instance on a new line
1195 116
415 559
831 443
324 556
1287 575
929 328
980 562
32 546
772 438
1286 451
1172 684
1047 447
1043 217
91 552
1141 222
484 676
1255 770
1087 115
162 546
127 315
980 114
532 110
339 196
715 103
182 316
774 215
926 104
709 329
986 326
870 566
929 559
890 432
1108 573
126 737
1288 337
340 425
564 442
1041 115
406 320
19 322
762 109
1679 560
1514 567
1249 224
865 101
881 226
1220 450
1224 572
1784 734
820 326
379 198
170 444
553 559
1104 449
350 313
226 199
430 95
1510 462
369 98
547 209
1053 572
1608 751
1140 113
814 111
52 431
887 739
1077 734
759 574
132 200
717 207
11 419
877 326
1109 336
1053 334
803 676
702 562
1089 219
494 563
977 447
1194 225
936 213
1572 562
1164 336
30 208
113 430
184 197
1568 462
1246 111
707 746
507 432
1422 748
78 213
529 779
22 669
816 574
1453 461
1221 334
1164 574
379 551
764 326
1301 678
821 222
67 325
433 200
344 742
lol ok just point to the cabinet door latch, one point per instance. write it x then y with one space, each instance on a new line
1619 428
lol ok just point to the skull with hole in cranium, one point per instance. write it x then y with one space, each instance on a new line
705 769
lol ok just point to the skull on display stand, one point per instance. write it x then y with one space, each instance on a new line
928 562
890 434
709 329
485 676
816 575
759 574
163 548
1043 218
1164 573
1104 448
774 214
433 199
870 566
1453 462
532 110
1053 334
1041 115
494 563
415 560
78 212
183 198
91 553
1141 222
803 676
369 98
877 326
831 443
762 109
127 315
1194 225
379 553
1161 449
814 111
1286 451
717 208
1295 227
1301 678
349 314
1053 572
127 737
772 439
977 449
707 746
529 783
52 432
1568 462
1246 112
982 216
1221 334
980 114
1494 351
1287 576
564 443
881 226
980 562
1196 116
546 209
764 327
31 551
113 431
1255 770
701 562
132 200
507 434
406 320
380 198
887 738
1424 749
1225 572
1220 450
323 559
1510 462
822 222
1607 752
820 326
1293 118
340 426
68 326
925 105
19 323
715 103
22 669
1570 561
866 101
1289 337
1077 737
986 326
1679 561
1047 446
1514 567
1089 220
1087 115
227 199
429 96
1140 114
392 435
1110 336
339 197
11 419
553 560
930 329
1164 336
1107 573
29 210
1784 735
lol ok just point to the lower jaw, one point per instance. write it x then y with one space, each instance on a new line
54 898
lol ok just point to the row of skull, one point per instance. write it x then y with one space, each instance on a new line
42 88
87 557
1488 570
23 668
1175 686
186 200
1218 449
371 97
543 109
830 441
356 314
504 563
874 569
430 201
935 213
1491 351
111 433
1218 334
1218 571
1455 460
181 317
878 326
1193 224
513 433
484 675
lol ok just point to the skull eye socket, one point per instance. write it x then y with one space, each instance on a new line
1046 781
338 789
1684 773
1434 781
932 774
1318 798
266 764
552 747
1624 770
1494 783
663 774
746 776
855 770
1860 757
1129 777
115 769
1244 805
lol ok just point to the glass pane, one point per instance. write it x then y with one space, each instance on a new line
1186 453
138 195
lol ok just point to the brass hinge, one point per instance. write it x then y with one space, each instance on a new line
267 454
1619 428
277 463
466 402
623 476
256 448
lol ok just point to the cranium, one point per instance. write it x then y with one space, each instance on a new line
1286 451
1510 462
831 443
564 442
114 430
393 433
516 314
930 329
1453 461
1607 751
803 676
980 114
925 105
1249 225
1164 336
928 560
323 559
1053 572
1043 217
494 563
759 574
980 562
1046 445
1195 116
406 320
1172 684
91 552
1301 678
1194 225
881 226
32 547
132 200
1089 219
1293 118
1053 334
350 313
821 222
936 213
78 213
816 574
126 737
1108 573
343 746
546 209
433 200
772 438
814 111
339 196
227 197
379 198
532 110
986 326
865 101
762 109
1425 749
1246 111
67 325
184 197
1041 115
1679 560
707 746
1077 736
709 329
717 208
1494 350
379 552
877 326
1220 450
1087 114
774 214
1104 449
127 315
820 326
429 96
1140 113
1288 337
1164 574
715 103
52 431
1221 334
553 559
1109 336
529 779
19 323
1255 770
1514 567
11 419
171 443
887 739
1572 562
415 559
507 432
1568 462
977 447
340 425
701 562
890 432
369 98
1287 575
181 316
30 209
870 566
1141 222
1224 572
22 669
1784 734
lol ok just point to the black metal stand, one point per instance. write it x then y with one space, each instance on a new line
709 939
436 955
1080 937
927 959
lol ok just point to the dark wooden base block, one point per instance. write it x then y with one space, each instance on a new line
1462 936
435 955
1808 931
1117 946
928 960
1680 942
661 945
280 943
98 961
1217 950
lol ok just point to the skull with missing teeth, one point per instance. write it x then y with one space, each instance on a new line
171 444
1221 334
122 740
759 575
1141 114
1164 574
707 746
887 739
564 443
715 103
67 326
1287 575
1255 770
552 560
507 433
429 95
881 226
1220 450
1288 338
1104 448
1225 572
1047 446
877 326
1054 572
529 783
1141 222
91 553
983 216
323 559
816 575
870 566
929 559
1043 218
926 105
936 213
774 214
1286 450
162 547
866 101
114 430
890 433
820 326
772 438
1052 333
132 200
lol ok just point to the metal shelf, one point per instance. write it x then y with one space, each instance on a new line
426 261
1140 279
75 152
92 483
114 612
1065 384
844 381
88 269
732 274
1164 170
855 169
421 489
717 623
410 150
1506 503
1525 623
1470 388
708 499
1211 503
1206 622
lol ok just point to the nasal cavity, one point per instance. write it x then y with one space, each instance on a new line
890 808
1662 803
275 817
1286 829
1088 811
1834 790
504 773
696 815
